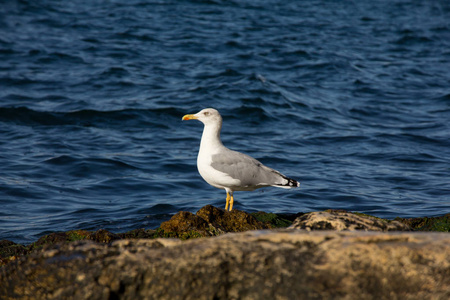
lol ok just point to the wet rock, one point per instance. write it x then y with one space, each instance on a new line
103 236
209 221
184 224
140 233
8 248
59 237
343 220
290 216
441 223
275 220
230 221
52 238
286 264
10 251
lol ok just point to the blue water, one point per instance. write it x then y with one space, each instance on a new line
351 98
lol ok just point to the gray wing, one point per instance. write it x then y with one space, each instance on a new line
247 169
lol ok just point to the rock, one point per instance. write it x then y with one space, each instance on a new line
230 221
343 220
284 264
185 223
209 221
103 236
57 238
138 234
10 251
212 221
8 248
290 216
441 223
274 220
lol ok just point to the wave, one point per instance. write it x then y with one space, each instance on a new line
89 118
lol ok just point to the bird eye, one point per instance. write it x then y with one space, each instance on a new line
206 113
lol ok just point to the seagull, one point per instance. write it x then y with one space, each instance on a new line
230 170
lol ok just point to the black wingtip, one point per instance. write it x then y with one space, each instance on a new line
293 183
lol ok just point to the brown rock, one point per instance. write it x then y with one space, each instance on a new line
186 222
288 264
10 251
58 238
343 220
52 238
138 234
441 223
229 221
102 236
8 248
209 221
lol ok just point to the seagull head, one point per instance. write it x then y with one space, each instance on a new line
207 116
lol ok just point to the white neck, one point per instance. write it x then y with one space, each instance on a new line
211 138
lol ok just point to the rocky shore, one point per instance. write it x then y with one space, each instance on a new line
320 255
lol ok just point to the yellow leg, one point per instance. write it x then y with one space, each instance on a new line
231 203
228 201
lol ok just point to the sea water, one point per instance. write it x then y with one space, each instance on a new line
351 98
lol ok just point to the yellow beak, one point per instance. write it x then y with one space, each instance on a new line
189 117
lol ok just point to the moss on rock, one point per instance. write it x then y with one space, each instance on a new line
428 223
209 221
230 221
274 220
140 233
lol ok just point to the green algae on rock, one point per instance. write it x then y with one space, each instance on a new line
230 221
11 251
428 223
138 234
184 222
274 220
210 221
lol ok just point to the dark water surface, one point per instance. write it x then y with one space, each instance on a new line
352 98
